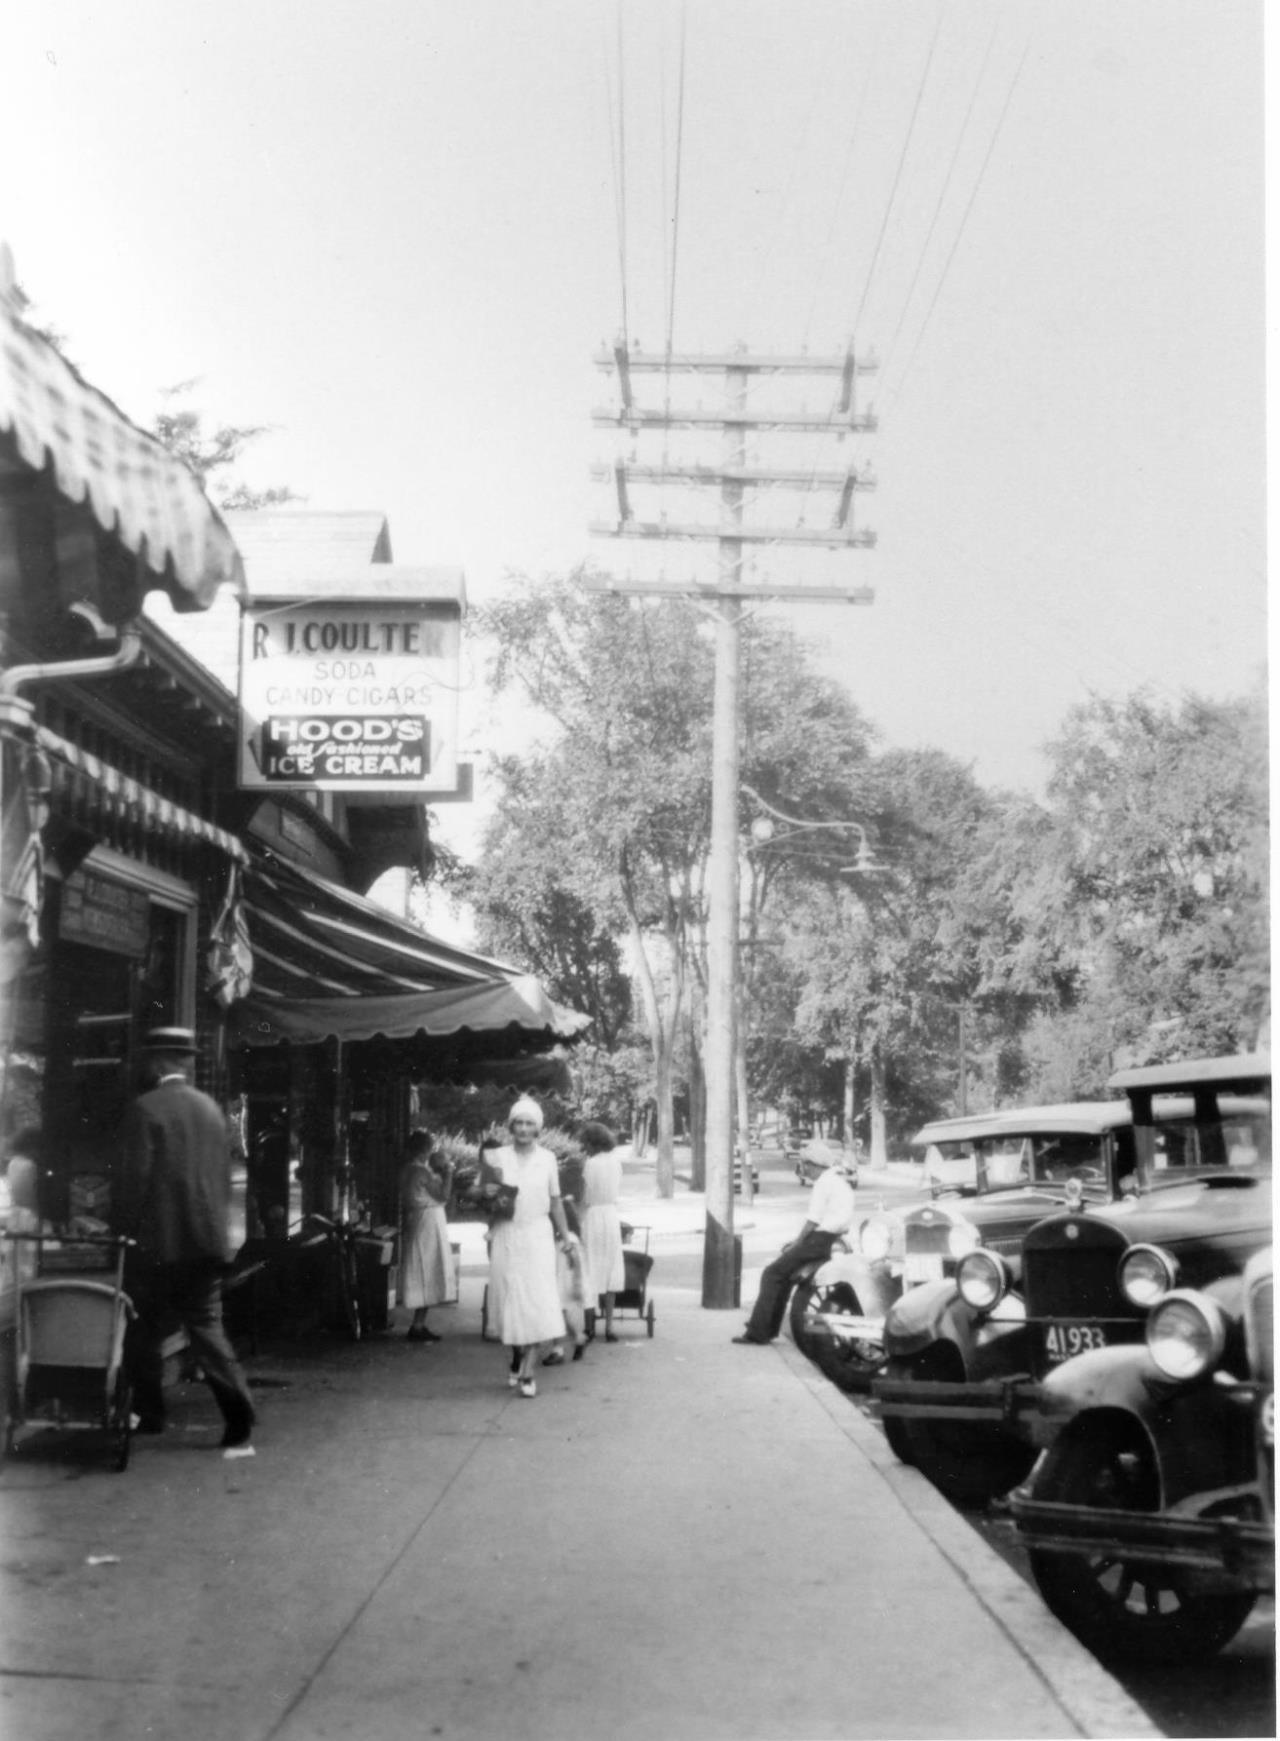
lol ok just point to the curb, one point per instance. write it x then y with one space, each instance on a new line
1095 1702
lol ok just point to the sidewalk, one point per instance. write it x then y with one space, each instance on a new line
678 1539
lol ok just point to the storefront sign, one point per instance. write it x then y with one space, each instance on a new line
349 696
104 914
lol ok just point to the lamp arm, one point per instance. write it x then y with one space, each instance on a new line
798 821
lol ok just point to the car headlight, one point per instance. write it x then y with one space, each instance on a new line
1186 1334
983 1279
1146 1275
875 1238
962 1239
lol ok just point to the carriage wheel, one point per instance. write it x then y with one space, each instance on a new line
648 1317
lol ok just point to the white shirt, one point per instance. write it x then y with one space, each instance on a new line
832 1203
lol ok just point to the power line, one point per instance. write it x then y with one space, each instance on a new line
675 216
902 158
946 186
1013 85
618 163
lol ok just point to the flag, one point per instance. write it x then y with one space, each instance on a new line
22 858
230 957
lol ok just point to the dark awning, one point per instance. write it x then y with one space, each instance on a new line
313 939
519 1003
131 484
128 798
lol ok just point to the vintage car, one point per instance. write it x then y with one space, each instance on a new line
966 1357
1150 1516
987 1178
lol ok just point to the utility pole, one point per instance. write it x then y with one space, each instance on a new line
726 592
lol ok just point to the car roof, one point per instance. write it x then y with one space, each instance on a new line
1245 1071
1081 1117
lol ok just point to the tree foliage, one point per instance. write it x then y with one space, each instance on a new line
208 453
1001 950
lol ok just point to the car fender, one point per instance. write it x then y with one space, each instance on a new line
988 1345
917 1320
1198 1431
873 1283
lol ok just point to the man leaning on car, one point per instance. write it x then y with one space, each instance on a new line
831 1205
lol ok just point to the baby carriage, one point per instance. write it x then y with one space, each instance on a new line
70 1325
635 1255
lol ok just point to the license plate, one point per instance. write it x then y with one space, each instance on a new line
922 1267
1064 1340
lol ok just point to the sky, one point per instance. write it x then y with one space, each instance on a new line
399 232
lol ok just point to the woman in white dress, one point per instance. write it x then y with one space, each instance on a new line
427 1276
606 1270
524 1293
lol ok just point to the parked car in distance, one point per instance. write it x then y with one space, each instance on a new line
1150 1516
967 1357
987 1178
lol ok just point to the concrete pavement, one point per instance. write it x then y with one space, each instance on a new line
679 1538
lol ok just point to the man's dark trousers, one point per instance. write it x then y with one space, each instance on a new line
778 1278
189 1294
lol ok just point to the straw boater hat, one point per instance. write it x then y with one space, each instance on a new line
525 1108
170 1040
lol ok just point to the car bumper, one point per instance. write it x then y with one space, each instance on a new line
1011 1404
1235 1553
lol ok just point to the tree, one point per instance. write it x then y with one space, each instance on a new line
527 911
625 690
623 785
1163 819
183 432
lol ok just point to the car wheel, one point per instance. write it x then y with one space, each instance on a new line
969 1463
1126 1610
849 1365
895 1429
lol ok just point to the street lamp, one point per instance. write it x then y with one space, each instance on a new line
765 833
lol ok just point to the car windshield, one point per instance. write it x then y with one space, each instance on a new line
977 1165
1232 1138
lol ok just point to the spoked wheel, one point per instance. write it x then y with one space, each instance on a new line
648 1317
970 1463
851 1365
1126 1609
806 1298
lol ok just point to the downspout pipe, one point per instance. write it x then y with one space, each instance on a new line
16 710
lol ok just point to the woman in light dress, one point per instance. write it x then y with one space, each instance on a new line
427 1276
524 1293
606 1271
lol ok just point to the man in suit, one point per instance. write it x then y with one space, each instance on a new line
172 1197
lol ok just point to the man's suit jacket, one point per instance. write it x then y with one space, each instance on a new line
174 1185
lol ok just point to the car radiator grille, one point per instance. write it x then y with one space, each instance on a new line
927 1238
1072 1283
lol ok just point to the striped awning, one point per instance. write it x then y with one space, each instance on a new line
314 939
133 486
519 1003
129 799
